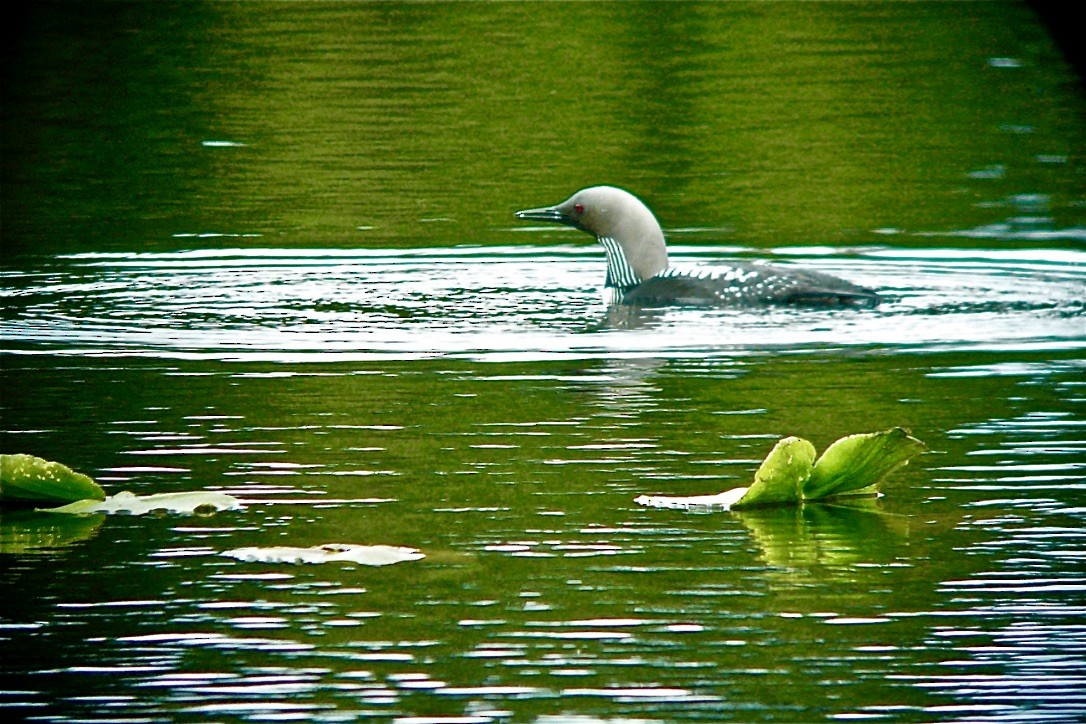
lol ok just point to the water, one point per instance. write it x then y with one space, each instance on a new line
269 250
526 302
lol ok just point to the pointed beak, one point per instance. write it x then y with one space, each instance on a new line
550 214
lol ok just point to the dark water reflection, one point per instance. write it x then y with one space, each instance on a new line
267 249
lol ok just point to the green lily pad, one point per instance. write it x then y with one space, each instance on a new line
789 476
856 464
375 555
25 479
192 503
782 475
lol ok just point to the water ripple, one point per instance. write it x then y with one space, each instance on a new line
513 303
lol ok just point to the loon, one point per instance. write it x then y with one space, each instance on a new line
638 272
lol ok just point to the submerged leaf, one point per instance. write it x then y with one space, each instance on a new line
376 555
197 502
28 479
854 465
780 479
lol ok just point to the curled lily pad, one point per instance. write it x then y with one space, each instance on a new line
858 463
25 479
781 477
854 465
375 555
192 503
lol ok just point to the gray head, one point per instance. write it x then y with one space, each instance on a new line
629 232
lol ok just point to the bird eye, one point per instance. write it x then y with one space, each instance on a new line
579 208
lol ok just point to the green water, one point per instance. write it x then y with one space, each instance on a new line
268 249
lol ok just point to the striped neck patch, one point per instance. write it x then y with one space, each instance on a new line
619 272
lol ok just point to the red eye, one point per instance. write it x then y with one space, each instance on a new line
579 208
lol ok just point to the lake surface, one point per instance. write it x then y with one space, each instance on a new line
269 250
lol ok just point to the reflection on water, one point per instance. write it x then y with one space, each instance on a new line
825 535
30 532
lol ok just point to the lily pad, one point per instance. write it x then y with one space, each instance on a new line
192 503
854 465
25 479
782 475
375 555
789 476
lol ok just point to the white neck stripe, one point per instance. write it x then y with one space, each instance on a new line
619 272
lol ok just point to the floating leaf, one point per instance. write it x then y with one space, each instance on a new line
376 555
192 503
724 500
780 479
855 464
28 479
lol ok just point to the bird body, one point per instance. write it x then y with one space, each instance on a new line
638 272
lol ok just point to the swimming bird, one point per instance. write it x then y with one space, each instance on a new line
638 272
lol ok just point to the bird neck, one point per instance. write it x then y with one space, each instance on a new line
620 274
632 261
